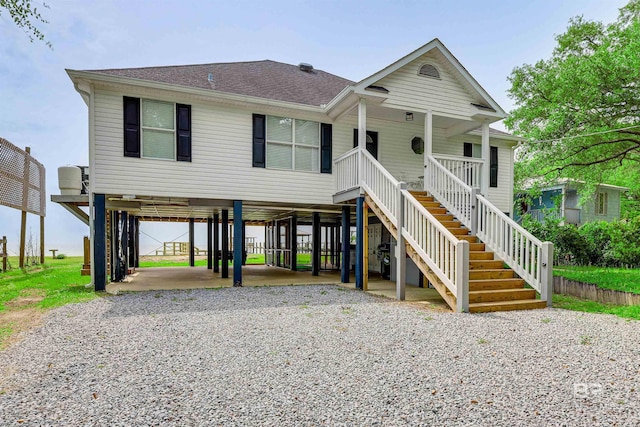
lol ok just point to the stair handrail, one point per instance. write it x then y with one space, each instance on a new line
529 257
451 191
441 250
438 247
346 167
381 186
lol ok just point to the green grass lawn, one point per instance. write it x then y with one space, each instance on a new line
576 304
618 279
59 283
26 293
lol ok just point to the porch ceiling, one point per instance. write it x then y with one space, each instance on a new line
451 125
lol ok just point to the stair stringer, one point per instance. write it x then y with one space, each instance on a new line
444 292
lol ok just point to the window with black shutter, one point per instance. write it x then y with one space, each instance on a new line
493 167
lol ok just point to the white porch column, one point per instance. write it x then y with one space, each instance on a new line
362 134
428 144
486 154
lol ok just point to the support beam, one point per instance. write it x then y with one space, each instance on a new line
293 242
316 249
244 242
225 244
192 247
42 240
362 134
346 226
99 260
359 243
428 145
137 244
365 248
486 156
124 244
115 220
238 240
131 242
216 243
209 244
401 250
23 237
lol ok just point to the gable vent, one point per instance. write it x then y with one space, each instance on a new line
429 70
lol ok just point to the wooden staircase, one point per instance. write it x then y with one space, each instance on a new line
492 285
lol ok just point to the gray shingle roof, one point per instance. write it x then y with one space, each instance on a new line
262 79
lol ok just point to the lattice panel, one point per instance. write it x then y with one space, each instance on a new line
22 180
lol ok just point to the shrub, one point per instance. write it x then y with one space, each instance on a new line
61 256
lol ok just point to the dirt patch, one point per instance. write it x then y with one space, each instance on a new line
20 315
27 297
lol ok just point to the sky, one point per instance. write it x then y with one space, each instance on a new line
39 107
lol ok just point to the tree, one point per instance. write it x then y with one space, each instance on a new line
579 111
24 14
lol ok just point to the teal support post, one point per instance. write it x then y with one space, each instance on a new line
238 238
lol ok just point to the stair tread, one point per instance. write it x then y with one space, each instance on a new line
503 303
497 291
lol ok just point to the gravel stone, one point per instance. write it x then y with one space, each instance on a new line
317 355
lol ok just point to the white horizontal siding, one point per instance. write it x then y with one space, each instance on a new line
408 90
588 212
221 164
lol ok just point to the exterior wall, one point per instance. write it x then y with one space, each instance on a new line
408 90
221 164
613 209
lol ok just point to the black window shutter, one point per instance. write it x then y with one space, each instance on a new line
131 110
259 140
326 159
493 167
468 149
355 138
183 132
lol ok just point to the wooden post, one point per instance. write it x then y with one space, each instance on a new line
41 240
346 235
359 242
225 244
4 253
365 250
401 250
209 243
99 243
216 242
25 196
192 253
293 244
86 265
462 276
546 273
238 239
316 248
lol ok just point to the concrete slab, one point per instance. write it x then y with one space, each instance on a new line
171 278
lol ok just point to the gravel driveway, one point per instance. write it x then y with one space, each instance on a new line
317 355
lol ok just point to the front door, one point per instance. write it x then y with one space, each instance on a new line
372 142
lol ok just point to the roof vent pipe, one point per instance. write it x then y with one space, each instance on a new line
307 68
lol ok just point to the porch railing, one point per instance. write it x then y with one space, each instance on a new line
529 257
450 190
445 255
346 170
468 169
